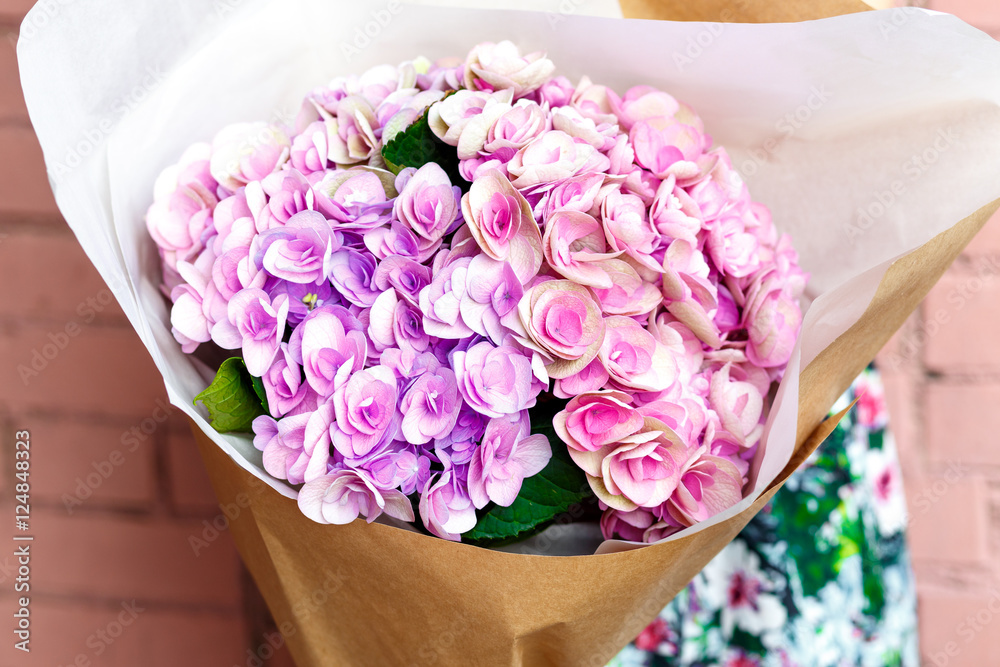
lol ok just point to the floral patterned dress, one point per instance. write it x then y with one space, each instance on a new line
821 577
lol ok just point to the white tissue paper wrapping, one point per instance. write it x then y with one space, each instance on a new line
866 134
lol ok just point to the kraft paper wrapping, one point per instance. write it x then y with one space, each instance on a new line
376 595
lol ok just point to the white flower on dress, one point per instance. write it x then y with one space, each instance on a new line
736 584
885 482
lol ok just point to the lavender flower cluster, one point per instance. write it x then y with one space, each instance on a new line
604 252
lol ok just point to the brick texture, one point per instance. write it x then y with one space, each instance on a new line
24 187
959 318
959 628
984 14
36 262
190 490
12 11
934 503
118 633
962 423
49 368
12 108
147 558
988 240
98 470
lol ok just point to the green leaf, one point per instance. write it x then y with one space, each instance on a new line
559 488
232 399
416 146
258 388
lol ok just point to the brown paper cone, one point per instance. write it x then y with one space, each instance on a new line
362 594
740 11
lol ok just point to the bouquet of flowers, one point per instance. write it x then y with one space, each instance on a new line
534 289
439 262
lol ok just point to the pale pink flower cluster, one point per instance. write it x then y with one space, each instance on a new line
603 252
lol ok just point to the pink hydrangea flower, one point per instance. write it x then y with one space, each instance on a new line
595 419
352 273
500 220
492 293
640 103
309 150
709 485
633 358
666 147
445 506
515 128
396 323
343 495
283 384
247 152
562 320
738 404
773 318
189 315
495 381
351 134
430 406
506 456
578 193
629 526
282 444
500 66
300 250
428 204
365 408
552 157
628 228
261 325
440 302
329 344
355 198
574 245
639 470
403 274
449 118
180 217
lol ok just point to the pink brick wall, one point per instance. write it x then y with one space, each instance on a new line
942 374
111 516
127 542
